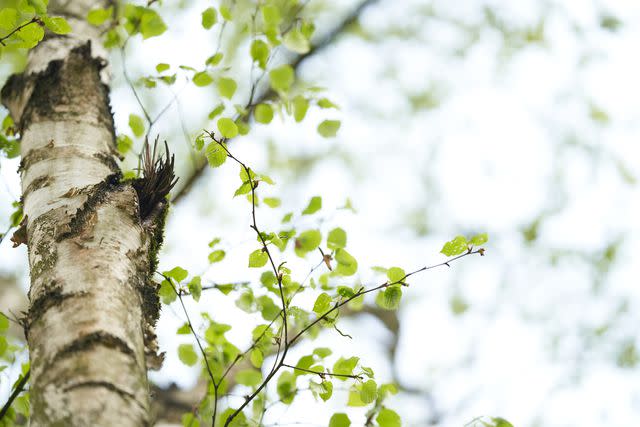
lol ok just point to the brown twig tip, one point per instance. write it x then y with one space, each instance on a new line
158 178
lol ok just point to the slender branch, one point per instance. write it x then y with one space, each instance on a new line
19 387
195 335
33 20
279 361
332 36
323 374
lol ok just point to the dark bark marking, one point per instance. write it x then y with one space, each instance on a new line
91 341
97 195
54 296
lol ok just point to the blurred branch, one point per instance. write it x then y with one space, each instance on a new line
327 40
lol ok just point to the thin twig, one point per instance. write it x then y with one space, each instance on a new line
323 374
19 387
35 19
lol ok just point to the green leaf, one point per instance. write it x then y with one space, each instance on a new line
124 143
354 399
184 329
260 52
227 87
216 155
307 241
337 238
166 293
455 246
369 391
209 17
347 264
227 127
216 256
388 418
300 107
326 103
322 352
258 258
272 202
57 24
202 79
151 24
326 390
395 274
136 124
322 304
256 357
162 67
190 420
195 287
4 322
501 422
296 42
345 366
8 19
177 273
282 77
40 6
329 128
271 15
479 239
226 13
99 16
214 59
389 299
187 354
30 35
315 204
249 377
339 420
263 113
286 387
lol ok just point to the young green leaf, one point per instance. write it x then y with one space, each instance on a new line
202 79
339 420
281 78
479 239
260 52
300 107
136 124
347 264
187 354
258 258
388 418
216 155
322 304
209 17
329 128
369 391
216 256
227 127
263 113
315 204
57 24
455 246
395 274
227 87
337 238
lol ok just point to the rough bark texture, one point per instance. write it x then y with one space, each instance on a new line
92 301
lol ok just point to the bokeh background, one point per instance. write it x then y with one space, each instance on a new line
519 119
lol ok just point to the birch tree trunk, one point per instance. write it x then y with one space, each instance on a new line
92 301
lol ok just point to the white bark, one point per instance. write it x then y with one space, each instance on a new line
91 299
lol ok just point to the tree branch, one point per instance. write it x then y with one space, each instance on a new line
332 36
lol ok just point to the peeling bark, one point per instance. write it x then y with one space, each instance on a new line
93 305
